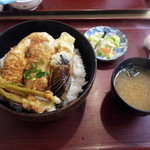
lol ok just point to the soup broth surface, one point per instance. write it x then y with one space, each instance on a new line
134 90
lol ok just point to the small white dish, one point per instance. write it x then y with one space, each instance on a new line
118 51
26 4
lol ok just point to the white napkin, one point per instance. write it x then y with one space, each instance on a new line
4 2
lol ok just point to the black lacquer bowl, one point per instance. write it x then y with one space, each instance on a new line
14 34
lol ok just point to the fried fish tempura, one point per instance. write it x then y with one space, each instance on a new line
15 62
39 53
35 48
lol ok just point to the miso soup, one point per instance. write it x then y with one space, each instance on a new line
135 91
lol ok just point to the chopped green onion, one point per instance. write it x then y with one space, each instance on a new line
41 74
33 73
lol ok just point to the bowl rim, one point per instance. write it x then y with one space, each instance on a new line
24 1
113 28
71 104
21 1
114 73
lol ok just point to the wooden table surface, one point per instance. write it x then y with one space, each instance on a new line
48 5
99 123
81 9
90 4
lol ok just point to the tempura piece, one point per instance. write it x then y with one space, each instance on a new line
38 58
65 43
29 104
47 94
15 62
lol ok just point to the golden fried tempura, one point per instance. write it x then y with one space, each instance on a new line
38 62
65 43
35 48
15 62
39 54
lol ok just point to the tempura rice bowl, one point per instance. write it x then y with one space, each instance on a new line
53 28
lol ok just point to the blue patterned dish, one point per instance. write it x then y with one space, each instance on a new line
110 31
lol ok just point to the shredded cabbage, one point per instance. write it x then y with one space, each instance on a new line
104 46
